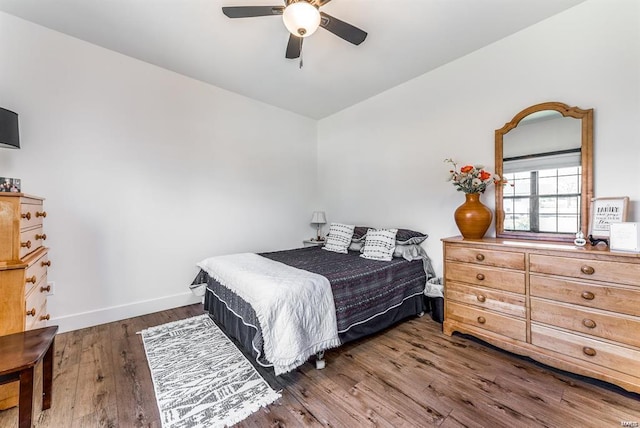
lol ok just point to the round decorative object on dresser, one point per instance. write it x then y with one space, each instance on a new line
473 218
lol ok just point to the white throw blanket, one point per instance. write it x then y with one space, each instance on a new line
295 307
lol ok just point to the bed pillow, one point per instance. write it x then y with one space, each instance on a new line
356 245
408 237
339 238
379 244
357 240
409 252
359 233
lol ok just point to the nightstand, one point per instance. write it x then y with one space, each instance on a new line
313 243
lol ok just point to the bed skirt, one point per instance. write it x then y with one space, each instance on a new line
235 328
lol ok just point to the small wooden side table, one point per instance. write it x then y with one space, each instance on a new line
19 354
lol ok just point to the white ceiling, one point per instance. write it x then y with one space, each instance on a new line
407 38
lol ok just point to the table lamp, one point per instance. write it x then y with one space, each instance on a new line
318 218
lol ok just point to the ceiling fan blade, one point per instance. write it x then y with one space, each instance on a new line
251 11
294 47
320 3
342 29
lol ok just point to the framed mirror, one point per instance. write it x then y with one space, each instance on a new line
546 155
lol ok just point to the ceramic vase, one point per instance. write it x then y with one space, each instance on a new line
473 218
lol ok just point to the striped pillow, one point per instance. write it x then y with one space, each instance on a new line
339 238
379 244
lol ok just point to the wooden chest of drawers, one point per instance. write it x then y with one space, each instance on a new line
574 308
23 271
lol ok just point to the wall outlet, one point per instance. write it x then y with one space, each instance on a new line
52 288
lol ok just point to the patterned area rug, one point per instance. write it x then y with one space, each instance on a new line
200 378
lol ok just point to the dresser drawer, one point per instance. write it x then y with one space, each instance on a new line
619 299
31 213
492 321
615 357
40 320
36 272
31 240
607 325
40 287
504 259
35 309
485 276
499 301
597 270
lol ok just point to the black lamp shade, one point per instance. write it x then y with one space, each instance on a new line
9 136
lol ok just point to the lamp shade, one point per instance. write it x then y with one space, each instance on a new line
9 136
318 217
302 19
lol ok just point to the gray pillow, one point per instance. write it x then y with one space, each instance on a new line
407 237
409 252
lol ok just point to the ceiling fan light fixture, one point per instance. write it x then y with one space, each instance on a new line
302 19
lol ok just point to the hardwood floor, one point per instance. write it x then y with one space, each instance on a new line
410 375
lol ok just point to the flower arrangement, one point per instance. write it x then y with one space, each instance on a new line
471 178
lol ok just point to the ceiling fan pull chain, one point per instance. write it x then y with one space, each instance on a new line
301 64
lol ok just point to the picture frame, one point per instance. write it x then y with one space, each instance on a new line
8 184
605 211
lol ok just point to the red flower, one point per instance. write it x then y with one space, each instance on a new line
484 175
466 169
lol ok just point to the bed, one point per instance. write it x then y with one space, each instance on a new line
367 295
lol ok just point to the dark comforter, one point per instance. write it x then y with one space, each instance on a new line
362 289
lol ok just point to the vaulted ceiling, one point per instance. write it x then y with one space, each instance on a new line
406 38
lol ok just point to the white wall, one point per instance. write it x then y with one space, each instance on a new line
380 162
145 172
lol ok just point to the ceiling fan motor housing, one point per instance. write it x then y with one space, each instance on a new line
301 18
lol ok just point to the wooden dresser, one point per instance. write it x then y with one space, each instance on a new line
23 272
577 309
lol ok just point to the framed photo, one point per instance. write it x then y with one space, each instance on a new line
9 184
605 211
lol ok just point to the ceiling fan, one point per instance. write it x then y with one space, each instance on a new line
302 18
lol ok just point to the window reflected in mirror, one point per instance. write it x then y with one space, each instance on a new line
546 201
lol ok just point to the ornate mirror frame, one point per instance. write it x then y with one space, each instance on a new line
586 152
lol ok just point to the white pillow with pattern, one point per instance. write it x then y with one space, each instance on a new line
379 244
339 237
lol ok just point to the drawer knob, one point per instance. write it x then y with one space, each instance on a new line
32 312
482 320
26 244
587 270
589 323
43 236
47 263
26 215
588 295
481 298
480 277
589 351
32 279
46 289
479 257
42 214
45 317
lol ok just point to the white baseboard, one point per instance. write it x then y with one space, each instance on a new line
117 313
